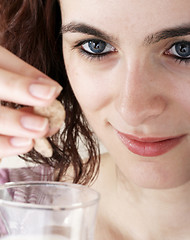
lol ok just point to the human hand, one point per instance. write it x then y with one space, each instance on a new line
23 84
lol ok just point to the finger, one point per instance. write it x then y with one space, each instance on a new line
26 90
54 128
22 124
10 146
12 63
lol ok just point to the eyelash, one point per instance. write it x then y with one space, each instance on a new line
92 56
182 60
101 56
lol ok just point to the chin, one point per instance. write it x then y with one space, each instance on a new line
156 177
166 171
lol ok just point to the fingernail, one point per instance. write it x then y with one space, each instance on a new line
41 91
46 81
34 123
20 142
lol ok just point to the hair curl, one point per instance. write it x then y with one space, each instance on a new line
31 30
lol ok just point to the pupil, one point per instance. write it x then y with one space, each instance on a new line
97 46
183 49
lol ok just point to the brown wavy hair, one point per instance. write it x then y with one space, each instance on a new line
31 30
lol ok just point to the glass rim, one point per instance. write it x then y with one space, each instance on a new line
58 207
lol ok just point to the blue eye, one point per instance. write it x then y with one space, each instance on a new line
180 50
97 47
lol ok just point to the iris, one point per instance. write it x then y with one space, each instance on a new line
183 49
97 46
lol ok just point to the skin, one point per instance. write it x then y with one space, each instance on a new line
29 87
139 89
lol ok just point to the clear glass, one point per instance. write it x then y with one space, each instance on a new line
47 210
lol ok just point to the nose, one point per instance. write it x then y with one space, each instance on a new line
140 98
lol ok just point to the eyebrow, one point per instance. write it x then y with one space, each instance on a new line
178 31
86 29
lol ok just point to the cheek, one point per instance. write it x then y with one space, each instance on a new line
182 97
178 85
91 88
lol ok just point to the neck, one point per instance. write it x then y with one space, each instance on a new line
163 213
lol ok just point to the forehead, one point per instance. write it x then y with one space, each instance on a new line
119 16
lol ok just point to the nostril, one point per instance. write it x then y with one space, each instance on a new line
158 105
137 111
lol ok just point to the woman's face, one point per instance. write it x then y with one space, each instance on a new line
128 62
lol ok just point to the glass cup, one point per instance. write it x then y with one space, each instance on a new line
47 211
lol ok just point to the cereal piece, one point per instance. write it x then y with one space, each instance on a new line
56 115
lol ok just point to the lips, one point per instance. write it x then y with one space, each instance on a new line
149 147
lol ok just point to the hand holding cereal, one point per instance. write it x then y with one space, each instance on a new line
22 84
